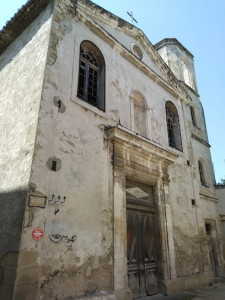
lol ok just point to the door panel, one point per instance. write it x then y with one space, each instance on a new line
132 252
141 254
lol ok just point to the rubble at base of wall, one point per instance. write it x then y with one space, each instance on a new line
95 296
190 282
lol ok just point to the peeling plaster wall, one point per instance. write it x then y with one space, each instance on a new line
188 219
75 256
185 223
22 68
191 250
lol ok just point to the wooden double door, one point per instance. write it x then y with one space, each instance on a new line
141 253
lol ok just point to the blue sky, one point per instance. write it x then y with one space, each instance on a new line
200 26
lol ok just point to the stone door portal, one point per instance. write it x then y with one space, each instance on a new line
140 196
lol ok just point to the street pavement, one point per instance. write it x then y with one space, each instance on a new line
214 292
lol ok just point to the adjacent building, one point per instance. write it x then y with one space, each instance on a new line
220 193
107 186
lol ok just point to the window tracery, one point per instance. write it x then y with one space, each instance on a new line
91 75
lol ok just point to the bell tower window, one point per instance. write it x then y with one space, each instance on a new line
173 126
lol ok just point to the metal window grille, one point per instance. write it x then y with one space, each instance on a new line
88 76
170 126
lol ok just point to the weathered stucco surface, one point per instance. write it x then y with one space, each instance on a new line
83 157
21 74
220 194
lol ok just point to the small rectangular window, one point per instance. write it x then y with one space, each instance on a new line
54 164
208 228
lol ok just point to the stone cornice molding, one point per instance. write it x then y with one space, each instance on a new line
137 156
140 144
172 41
200 140
189 88
210 197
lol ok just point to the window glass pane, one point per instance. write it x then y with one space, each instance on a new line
81 83
92 85
91 75
173 126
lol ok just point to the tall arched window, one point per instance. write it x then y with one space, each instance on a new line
173 126
91 82
201 172
139 114
193 117
187 76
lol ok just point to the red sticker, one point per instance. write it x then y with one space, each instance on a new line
37 233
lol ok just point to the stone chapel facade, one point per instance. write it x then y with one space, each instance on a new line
107 186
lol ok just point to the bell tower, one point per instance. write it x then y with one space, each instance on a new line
180 61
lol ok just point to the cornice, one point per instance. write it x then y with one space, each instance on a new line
189 88
200 140
138 143
172 41
208 197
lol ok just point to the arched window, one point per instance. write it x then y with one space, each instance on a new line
201 172
173 126
91 82
186 74
139 114
193 117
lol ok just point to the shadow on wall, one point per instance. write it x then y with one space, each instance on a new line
12 205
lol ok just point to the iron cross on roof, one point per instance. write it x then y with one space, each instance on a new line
132 17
